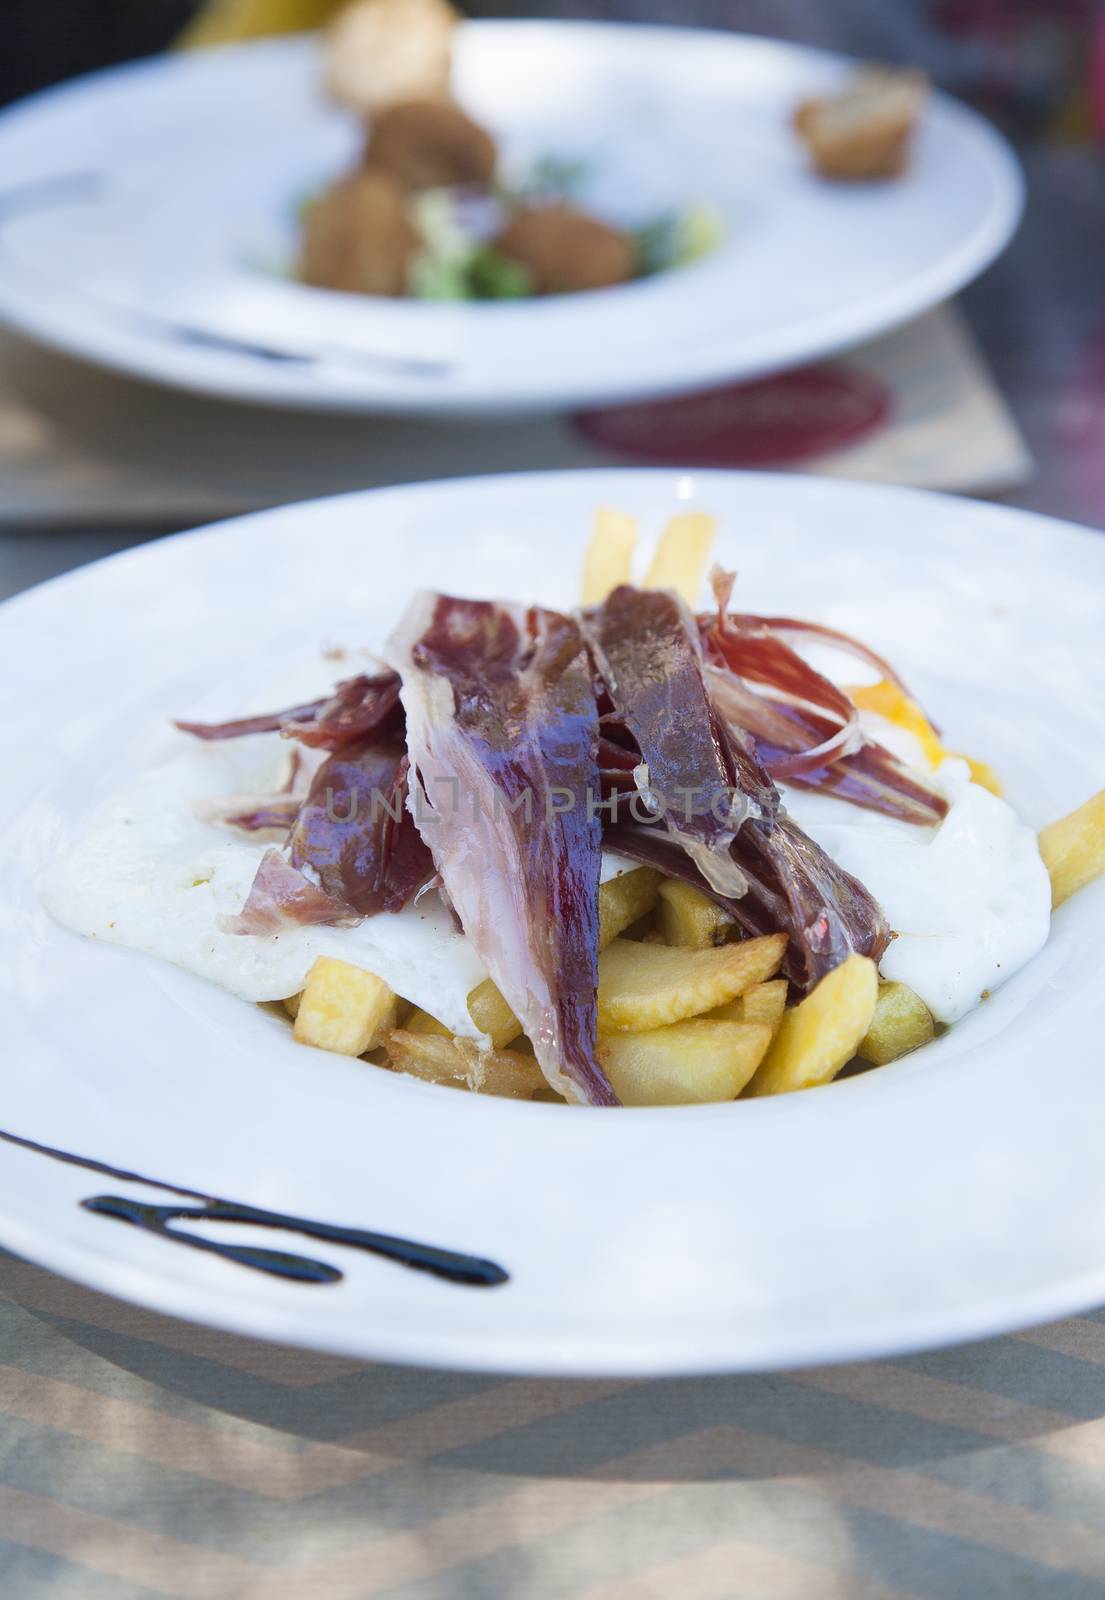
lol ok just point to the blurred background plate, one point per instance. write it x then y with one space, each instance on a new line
163 255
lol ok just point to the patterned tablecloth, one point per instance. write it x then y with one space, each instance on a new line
143 1457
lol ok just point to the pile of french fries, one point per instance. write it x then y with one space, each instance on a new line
689 1012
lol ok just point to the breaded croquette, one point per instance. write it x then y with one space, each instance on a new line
565 250
428 143
381 52
358 237
865 131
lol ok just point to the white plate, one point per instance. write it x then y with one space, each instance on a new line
957 1193
202 159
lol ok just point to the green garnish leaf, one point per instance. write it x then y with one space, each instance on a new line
493 276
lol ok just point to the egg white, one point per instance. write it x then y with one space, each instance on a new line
149 873
969 901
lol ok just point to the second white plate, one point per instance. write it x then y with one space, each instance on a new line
141 250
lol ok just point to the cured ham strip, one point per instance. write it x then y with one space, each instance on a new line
355 834
502 730
281 897
256 813
791 885
271 813
795 746
646 648
358 708
699 782
818 633
266 722
806 731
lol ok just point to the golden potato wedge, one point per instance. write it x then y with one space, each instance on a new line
902 1022
1074 848
609 555
687 917
624 900
488 1010
764 1002
291 1004
421 1021
343 1008
822 1033
688 1063
681 555
458 1063
491 1014
643 986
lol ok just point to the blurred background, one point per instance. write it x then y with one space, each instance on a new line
1035 64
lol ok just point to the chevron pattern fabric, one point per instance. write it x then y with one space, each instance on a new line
143 1457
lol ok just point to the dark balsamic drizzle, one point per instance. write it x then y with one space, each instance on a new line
451 1265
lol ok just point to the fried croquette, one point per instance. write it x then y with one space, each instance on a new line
565 250
426 144
359 237
865 131
381 52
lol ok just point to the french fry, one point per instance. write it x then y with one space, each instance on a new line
902 1022
764 1002
459 1064
343 1008
645 986
488 1010
681 555
688 1063
624 900
687 917
1074 848
421 1021
291 1004
609 555
822 1033
491 1014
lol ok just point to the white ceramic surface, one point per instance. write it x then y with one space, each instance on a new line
957 1193
200 160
